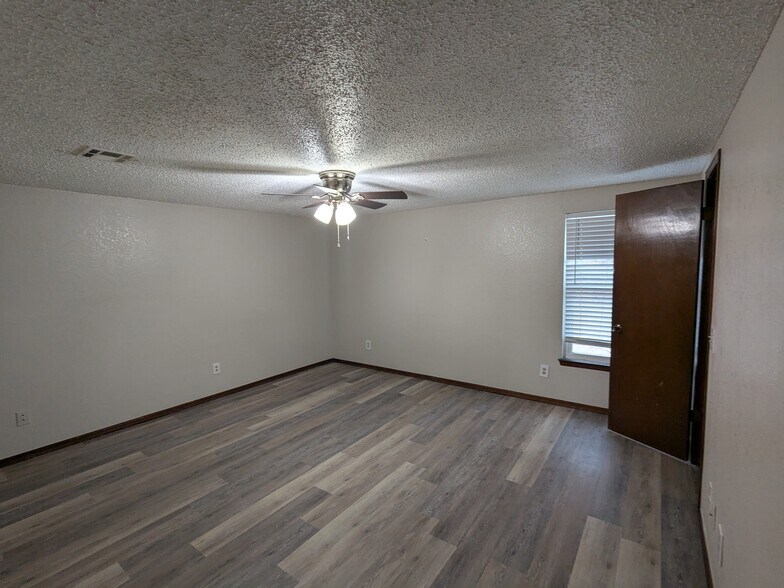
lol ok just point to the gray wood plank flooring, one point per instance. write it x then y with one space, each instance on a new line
343 476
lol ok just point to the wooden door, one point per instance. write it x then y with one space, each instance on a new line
657 247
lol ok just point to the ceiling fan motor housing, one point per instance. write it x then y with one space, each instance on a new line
337 179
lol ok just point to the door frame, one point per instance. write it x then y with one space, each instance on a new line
702 351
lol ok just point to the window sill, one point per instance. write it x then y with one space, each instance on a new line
584 364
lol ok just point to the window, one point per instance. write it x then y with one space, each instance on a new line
588 285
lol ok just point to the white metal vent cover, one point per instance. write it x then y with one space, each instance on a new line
102 155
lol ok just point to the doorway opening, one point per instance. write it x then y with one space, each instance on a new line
661 314
702 352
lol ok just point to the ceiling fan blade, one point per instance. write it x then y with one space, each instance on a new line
369 204
280 194
314 205
385 195
228 168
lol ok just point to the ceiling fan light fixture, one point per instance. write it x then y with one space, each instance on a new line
324 213
344 213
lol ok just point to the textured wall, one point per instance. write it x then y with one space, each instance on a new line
112 308
470 292
744 452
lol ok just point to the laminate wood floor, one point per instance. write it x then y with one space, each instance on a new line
341 476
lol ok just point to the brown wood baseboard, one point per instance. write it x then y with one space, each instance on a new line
167 411
480 387
148 417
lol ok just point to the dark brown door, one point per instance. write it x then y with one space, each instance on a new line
657 247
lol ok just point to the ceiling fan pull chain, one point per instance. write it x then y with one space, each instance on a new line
348 232
338 228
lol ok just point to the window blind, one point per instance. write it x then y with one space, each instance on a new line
588 278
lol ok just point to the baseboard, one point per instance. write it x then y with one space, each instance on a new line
148 417
705 557
167 411
480 387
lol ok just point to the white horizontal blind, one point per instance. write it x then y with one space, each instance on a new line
588 278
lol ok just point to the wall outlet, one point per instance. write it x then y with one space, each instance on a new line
22 418
720 539
215 368
544 370
368 345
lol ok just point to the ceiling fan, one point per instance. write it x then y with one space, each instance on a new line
338 200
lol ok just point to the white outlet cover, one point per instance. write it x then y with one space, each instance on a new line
215 368
368 344
22 418
544 370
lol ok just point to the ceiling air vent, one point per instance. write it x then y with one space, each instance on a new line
101 155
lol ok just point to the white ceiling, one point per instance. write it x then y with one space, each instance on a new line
221 100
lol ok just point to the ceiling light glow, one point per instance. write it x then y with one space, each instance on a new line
344 213
324 213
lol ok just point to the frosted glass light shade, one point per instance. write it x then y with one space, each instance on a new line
324 213
344 214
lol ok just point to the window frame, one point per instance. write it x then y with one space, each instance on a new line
568 357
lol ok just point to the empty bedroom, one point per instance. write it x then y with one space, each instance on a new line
392 293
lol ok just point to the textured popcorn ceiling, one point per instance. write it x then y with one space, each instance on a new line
457 101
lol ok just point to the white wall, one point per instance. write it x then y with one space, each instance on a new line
470 292
113 308
744 449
